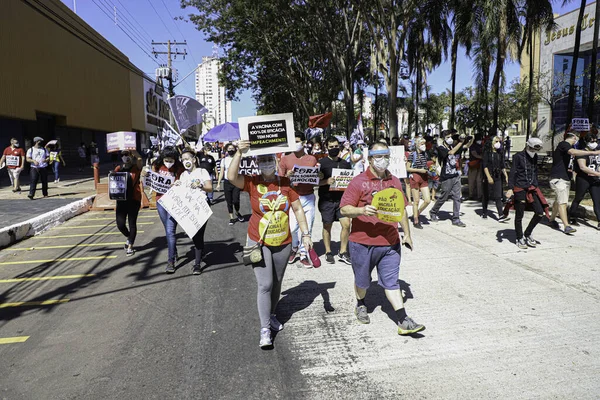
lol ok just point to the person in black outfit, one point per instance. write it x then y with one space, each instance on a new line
523 183
127 210
493 173
588 179
207 162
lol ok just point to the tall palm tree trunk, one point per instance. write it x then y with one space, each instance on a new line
594 63
530 88
571 101
453 102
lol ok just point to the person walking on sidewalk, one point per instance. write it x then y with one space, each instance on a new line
127 210
207 162
38 158
475 172
588 178
305 192
82 153
56 159
416 166
271 198
494 172
523 184
14 157
196 179
373 242
450 185
329 201
232 193
560 178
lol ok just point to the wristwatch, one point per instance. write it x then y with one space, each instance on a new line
306 234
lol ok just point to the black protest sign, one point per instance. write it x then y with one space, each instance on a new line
268 134
117 185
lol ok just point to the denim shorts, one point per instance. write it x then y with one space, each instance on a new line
366 258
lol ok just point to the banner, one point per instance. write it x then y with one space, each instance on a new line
188 207
389 204
154 140
580 124
158 183
398 162
186 111
118 141
156 108
117 185
268 134
341 178
12 161
249 166
308 175
168 138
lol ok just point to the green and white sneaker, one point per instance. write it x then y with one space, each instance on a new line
408 327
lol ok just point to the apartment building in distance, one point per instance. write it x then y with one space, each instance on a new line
211 94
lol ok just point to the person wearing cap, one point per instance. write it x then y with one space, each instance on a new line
374 242
357 159
14 157
38 157
523 184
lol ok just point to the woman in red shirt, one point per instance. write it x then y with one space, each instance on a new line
271 199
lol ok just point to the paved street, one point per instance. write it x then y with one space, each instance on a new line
501 322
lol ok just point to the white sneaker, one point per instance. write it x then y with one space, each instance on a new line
275 324
265 338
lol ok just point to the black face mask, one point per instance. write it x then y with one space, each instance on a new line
334 152
231 152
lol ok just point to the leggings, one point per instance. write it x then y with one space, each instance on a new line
496 194
520 203
269 276
128 209
583 185
232 197
198 240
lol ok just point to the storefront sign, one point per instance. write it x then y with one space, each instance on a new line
118 141
188 207
587 22
156 108
389 204
341 178
268 134
117 186
308 175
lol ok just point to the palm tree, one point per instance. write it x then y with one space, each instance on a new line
462 20
571 101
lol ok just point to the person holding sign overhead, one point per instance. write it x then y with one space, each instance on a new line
272 199
129 208
14 157
375 202
306 193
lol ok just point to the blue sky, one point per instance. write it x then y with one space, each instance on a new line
148 20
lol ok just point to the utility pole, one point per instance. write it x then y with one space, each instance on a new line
170 53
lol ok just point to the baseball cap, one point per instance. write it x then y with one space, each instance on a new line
535 143
38 139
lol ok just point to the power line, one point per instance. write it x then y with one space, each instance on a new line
161 20
177 26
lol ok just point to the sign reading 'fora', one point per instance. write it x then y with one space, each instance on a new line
563 32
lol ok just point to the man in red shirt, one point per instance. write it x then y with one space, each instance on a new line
374 242
14 157
307 196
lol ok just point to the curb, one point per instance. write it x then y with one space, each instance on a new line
77 182
41 223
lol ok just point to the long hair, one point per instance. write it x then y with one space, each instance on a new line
167 152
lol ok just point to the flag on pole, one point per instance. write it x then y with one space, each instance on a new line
186 111
320 121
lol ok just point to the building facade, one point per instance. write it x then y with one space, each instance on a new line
211 94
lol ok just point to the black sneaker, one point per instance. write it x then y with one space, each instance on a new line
418 225
531 242
433 217
504 218
345 258
196 270
484 216
408 327
329 258
573 222
240 218
232 221
170 268
521 243
129 251
30 197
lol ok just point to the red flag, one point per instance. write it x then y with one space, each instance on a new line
320 121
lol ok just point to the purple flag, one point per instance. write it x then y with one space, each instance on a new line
187 111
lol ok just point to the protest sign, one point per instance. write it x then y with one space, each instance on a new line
12 161
580 124
249 166
52 142
118 141
397 162
308 175
158 183
389 204
168 137
117 185
186 111
341 178
154 140
268 134
188 207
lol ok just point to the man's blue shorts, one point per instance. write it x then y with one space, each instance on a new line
365 258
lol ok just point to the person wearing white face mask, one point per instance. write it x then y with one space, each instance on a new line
232 193
375 243
272 199
14 157
127 210
306 192
588 178
416 166
494 172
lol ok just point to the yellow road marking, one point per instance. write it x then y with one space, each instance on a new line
16 339
79 235
96 226
46 278
113 218
65 246
33 303
56 260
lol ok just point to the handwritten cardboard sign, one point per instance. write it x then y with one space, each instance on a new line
341 178
188 207
268 134
308 175
117 185
398 162
158 183
118 141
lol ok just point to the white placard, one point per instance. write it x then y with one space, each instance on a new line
341 178
118 141
157 182
188 207
580 124
12 161
398 162
268 134
308 175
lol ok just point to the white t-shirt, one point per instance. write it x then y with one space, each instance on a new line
199 174
225 163
39 155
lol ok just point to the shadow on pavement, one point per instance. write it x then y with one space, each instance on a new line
302 296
